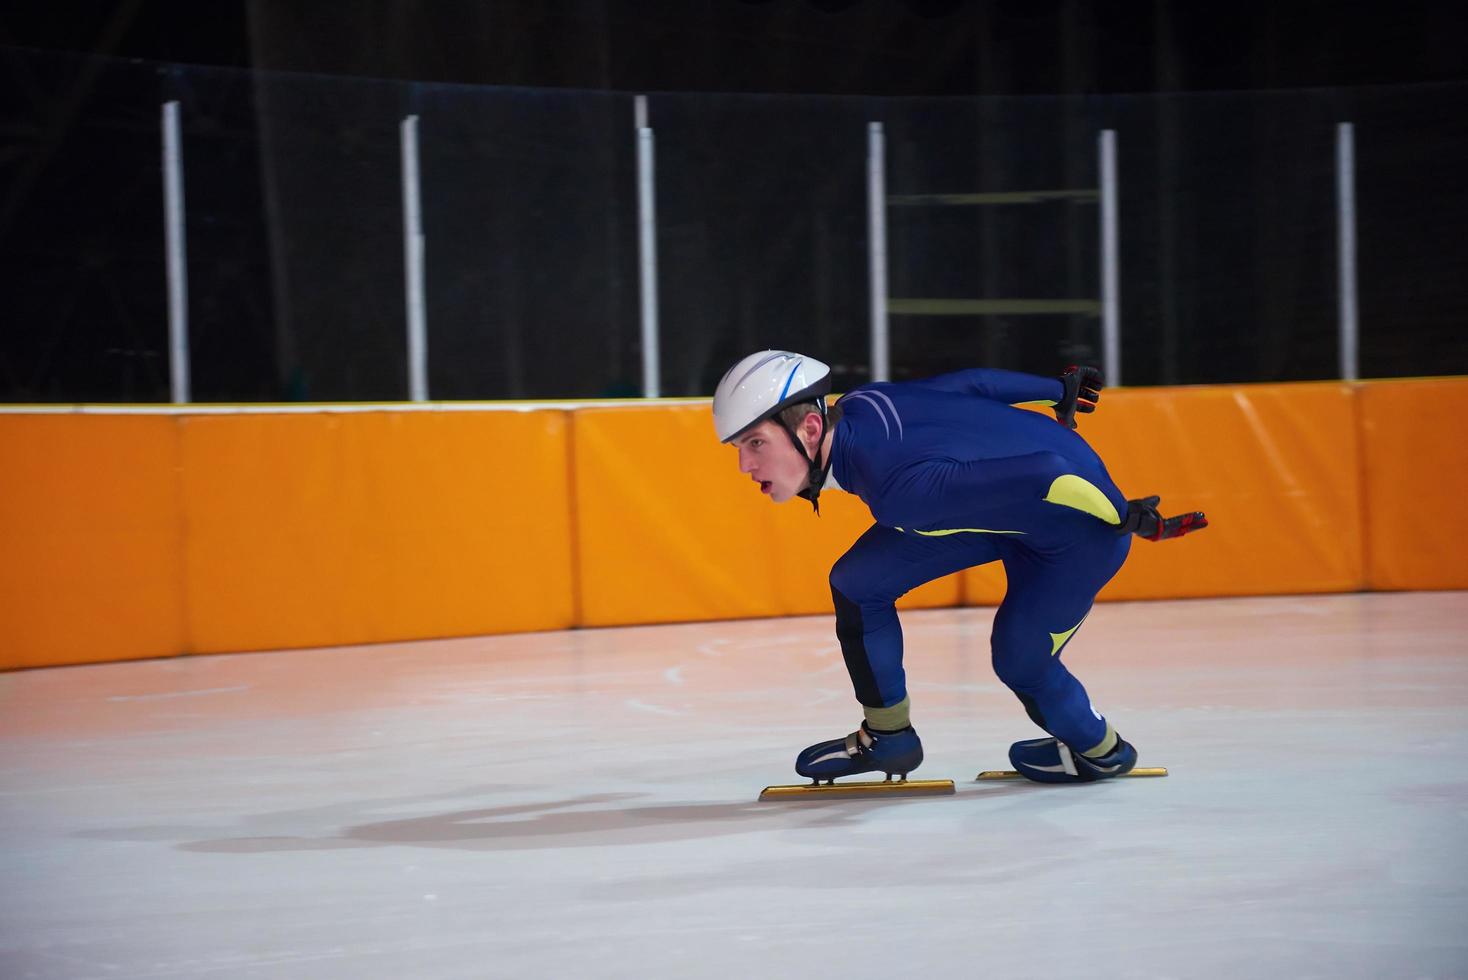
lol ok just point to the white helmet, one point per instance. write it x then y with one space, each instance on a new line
761 385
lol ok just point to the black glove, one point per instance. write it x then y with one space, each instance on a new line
1082 390
1143 520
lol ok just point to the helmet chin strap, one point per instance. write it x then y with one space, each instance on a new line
816 474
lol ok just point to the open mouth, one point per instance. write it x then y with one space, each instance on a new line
764 486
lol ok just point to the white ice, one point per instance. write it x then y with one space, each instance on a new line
582 804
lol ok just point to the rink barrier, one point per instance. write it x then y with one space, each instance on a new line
670 531
1275 467
146 535
324 530
1413 474
140 531
91 526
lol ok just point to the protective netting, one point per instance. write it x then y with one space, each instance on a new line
1227 231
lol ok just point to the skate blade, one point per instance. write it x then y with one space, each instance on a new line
1011 774
895 787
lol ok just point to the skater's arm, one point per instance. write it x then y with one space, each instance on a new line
1076 390
1009 387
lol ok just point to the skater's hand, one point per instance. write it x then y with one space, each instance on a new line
1143 520
1082 390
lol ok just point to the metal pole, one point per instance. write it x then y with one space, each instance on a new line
413 248
173 240
647 253
1110 262
877 244
1345 192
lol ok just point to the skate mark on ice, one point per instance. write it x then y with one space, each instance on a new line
654 709
166 695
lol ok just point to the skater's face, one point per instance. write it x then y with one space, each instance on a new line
771 459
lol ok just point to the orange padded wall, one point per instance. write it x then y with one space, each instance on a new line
91 539
1275 467
669 530
150 535
1416 469
324 529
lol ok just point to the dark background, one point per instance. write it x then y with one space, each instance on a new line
1225 115
856 47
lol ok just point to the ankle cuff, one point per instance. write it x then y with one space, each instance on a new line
1105 745
893 719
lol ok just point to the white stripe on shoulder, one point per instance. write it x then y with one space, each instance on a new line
893 409
866 397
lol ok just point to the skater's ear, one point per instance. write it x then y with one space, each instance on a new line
805 419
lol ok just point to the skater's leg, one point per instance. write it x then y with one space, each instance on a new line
883 565
1048 598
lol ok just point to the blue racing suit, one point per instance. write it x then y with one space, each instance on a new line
955 477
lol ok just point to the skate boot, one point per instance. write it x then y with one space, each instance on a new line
1049 760
864 750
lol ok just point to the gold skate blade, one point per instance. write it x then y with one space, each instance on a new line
895 787
1011 774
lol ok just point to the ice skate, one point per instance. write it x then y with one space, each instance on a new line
894 753
1049 760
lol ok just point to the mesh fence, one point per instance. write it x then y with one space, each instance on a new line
1227 229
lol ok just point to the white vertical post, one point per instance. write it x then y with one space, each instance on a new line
647 251
877 246
173 240
1110 262
1345 193
413 248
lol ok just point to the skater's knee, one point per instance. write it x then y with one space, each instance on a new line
856 586
847 580
1016 663
1026 657
1025 675
1009 635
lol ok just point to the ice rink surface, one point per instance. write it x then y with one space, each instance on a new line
582 804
